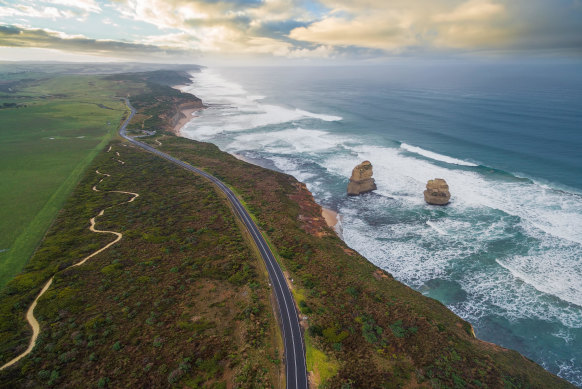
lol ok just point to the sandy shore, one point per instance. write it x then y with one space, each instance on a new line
182 122
331 217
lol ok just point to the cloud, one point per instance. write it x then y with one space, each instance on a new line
85 5
476 24
21 10
324 28
447 26
368 31
16 36
225 27
472 11
399 26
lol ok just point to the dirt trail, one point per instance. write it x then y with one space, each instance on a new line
30 313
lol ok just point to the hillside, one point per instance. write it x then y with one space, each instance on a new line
181 298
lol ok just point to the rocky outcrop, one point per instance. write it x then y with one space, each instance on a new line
361 180
437 192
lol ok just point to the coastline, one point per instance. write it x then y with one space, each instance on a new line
331 217
322 254
186 114
333 220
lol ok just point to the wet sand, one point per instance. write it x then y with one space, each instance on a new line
331 217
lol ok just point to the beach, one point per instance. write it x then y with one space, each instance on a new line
186 115
331 217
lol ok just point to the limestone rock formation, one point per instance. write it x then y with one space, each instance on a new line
437 192
361 180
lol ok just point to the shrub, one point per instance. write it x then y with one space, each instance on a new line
370 331
304 307
175 376
330 334
352 291
315 330
53 378
397 329
158 342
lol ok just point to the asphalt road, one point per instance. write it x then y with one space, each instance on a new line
295 366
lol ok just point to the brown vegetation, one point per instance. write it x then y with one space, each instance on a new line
382 333
180 300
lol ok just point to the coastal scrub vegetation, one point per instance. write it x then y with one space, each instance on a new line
180 301
363 328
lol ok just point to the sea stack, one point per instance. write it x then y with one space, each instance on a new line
361 180
437 192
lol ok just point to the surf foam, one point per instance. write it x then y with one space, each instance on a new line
435 156
513 246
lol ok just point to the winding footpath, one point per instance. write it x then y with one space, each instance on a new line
294 347
30 313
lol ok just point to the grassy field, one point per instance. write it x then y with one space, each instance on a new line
51 128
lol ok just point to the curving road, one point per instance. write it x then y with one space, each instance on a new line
295 366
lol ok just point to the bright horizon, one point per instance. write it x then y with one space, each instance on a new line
288 31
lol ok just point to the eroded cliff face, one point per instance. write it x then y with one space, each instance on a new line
361 180
179 114
437 192
310 216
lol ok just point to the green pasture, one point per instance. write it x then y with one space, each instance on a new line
45 144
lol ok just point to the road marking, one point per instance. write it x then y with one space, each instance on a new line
266 253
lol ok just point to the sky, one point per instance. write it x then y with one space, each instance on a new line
288 31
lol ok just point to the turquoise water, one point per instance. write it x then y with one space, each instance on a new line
506 254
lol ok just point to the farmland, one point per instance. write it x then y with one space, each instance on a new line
52 126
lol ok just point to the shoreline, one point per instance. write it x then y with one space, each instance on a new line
187 115
331 217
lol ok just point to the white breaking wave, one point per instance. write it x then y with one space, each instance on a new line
435 156
554 212
549 217
233 109
437 229
484 211
325 118
290 141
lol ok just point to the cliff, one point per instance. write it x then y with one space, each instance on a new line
181 114
437 192
361 180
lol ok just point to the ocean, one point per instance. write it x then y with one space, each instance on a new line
506 253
